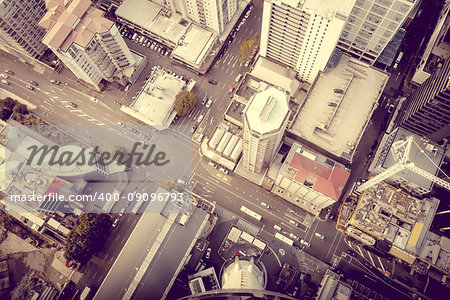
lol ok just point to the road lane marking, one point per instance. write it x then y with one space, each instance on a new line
381 264
359 249
371 259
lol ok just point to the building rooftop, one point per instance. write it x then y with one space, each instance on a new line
315 171
154 18
195 46
389 213
276 75
327 8
155 249
336 119
267 110
155 103
72 21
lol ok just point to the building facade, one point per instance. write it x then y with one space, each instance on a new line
87 43
265 120
302 34
371 25
18 26
426 111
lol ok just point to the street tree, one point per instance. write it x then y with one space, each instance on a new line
184 102
246 48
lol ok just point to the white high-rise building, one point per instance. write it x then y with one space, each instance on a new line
18 26
86 42
214 15
371 25
302 34
265 119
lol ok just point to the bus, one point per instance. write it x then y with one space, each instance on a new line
251 213
284 239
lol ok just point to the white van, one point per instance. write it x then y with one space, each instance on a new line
276 227
85 293
238 78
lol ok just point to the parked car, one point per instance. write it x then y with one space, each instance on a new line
305 243
55 81
238 78
390 108
204 100
200 138
212 165
34 83
200 118
29 87
93 99
231 90
3 75
293 212
5 81
276 227
73 105
194 128
338 91
332 104
208 104
9 72
294 236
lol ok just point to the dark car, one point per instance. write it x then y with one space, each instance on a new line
351 253
73 105
194 128
212 81
9 72
34 82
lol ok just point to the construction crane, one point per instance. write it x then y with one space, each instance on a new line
401 150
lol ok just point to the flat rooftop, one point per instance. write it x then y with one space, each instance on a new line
154 104
159 244
335 121
153 18
196 45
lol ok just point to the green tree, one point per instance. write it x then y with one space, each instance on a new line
86 237
246 48
184 102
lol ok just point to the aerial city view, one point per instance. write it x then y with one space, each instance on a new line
224 149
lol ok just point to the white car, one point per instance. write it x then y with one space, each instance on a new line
200 138
116 221
293 222
121 212
208 104
265 205
200 118
208 253
276 227
5 81
94 99
3 75
303 242
319 235
294 236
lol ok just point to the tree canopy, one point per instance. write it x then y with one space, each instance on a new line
87 236
9 106
184 102
246 48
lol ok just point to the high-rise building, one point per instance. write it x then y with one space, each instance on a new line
302 34
371 25
214 15
18 26
265 120
86 42
426 111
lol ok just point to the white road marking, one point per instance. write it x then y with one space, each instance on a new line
371 259
381 264
359 249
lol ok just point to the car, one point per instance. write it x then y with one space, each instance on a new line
390 108
351 253
116 221
294 236
302 275
93 99
200 118
246 64
305 243
29 87
200 138
212 165
319 235
55 81
3 75
73 105
276 227
121 212
194 128
34 83
208 253
265 205
293 222
339 91
332 104
208 104
121 124
231 90
204 100
212 81
9 72
295 213
5 81
152 46
238 78
368 265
